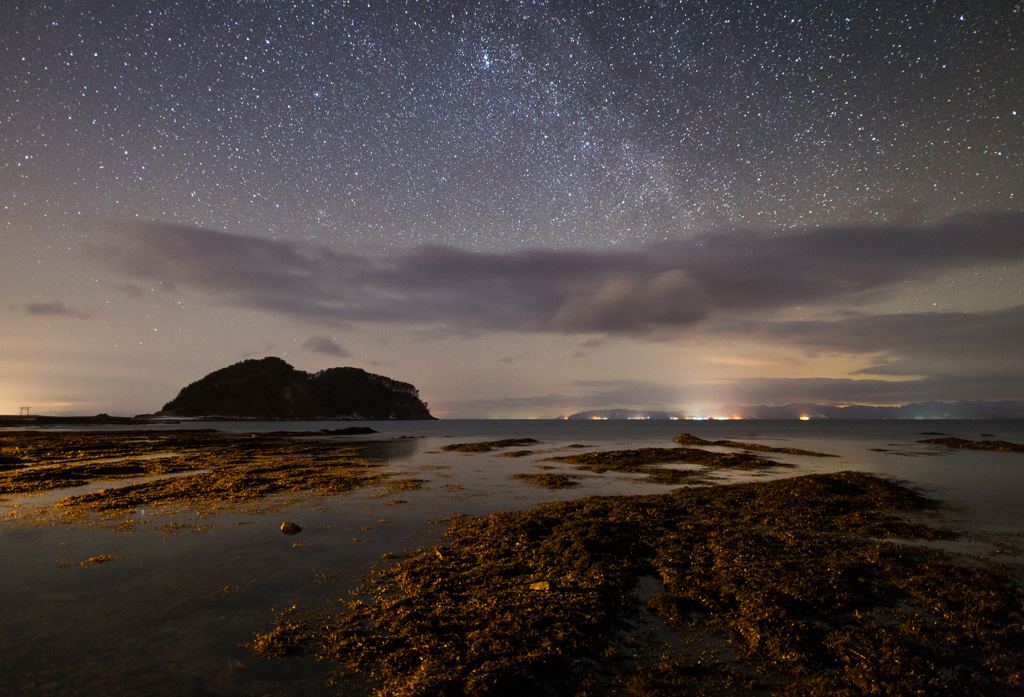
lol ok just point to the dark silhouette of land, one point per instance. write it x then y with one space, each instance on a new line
39 420
270 388
918 410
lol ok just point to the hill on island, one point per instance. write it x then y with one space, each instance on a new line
270 389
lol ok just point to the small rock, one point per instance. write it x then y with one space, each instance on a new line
350 431
290 528
541 586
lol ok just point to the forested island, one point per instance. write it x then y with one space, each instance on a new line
270 388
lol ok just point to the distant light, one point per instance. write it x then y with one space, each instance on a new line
805 418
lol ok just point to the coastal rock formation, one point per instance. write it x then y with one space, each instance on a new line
1002 445
687 439
350 431
487 446
784 587
270 389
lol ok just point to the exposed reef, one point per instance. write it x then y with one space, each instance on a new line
1000 445
785 587
687 439
646 460
549 481
350 431
487 446
199 469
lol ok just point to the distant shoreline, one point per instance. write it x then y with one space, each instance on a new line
103 419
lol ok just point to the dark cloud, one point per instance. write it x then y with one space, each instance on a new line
483 406
593 394
626 393
642 292
326 346
839 391
910 344
51 308
755 391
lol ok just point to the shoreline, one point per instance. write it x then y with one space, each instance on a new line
103 419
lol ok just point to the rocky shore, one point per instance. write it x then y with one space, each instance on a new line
813 585
804 586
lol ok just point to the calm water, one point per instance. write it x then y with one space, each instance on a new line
158 620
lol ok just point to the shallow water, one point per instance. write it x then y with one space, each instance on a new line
168 615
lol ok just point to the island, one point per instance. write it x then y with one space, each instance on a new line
271 389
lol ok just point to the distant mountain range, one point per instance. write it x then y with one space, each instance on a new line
270 389
917 410
618 414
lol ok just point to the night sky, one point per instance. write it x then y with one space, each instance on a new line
525 209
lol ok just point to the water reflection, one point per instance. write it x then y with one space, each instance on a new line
391 451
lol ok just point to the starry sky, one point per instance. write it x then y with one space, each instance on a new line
523 208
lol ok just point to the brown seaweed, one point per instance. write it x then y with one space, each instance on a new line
645 461
550 481
687 439
100 559
211 468
487 446
1000 445
786 586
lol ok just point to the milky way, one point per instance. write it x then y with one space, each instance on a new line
521 208
510 125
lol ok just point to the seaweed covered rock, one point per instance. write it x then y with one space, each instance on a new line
1001 445
785 587
272 389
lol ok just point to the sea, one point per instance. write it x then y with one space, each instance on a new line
171 614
